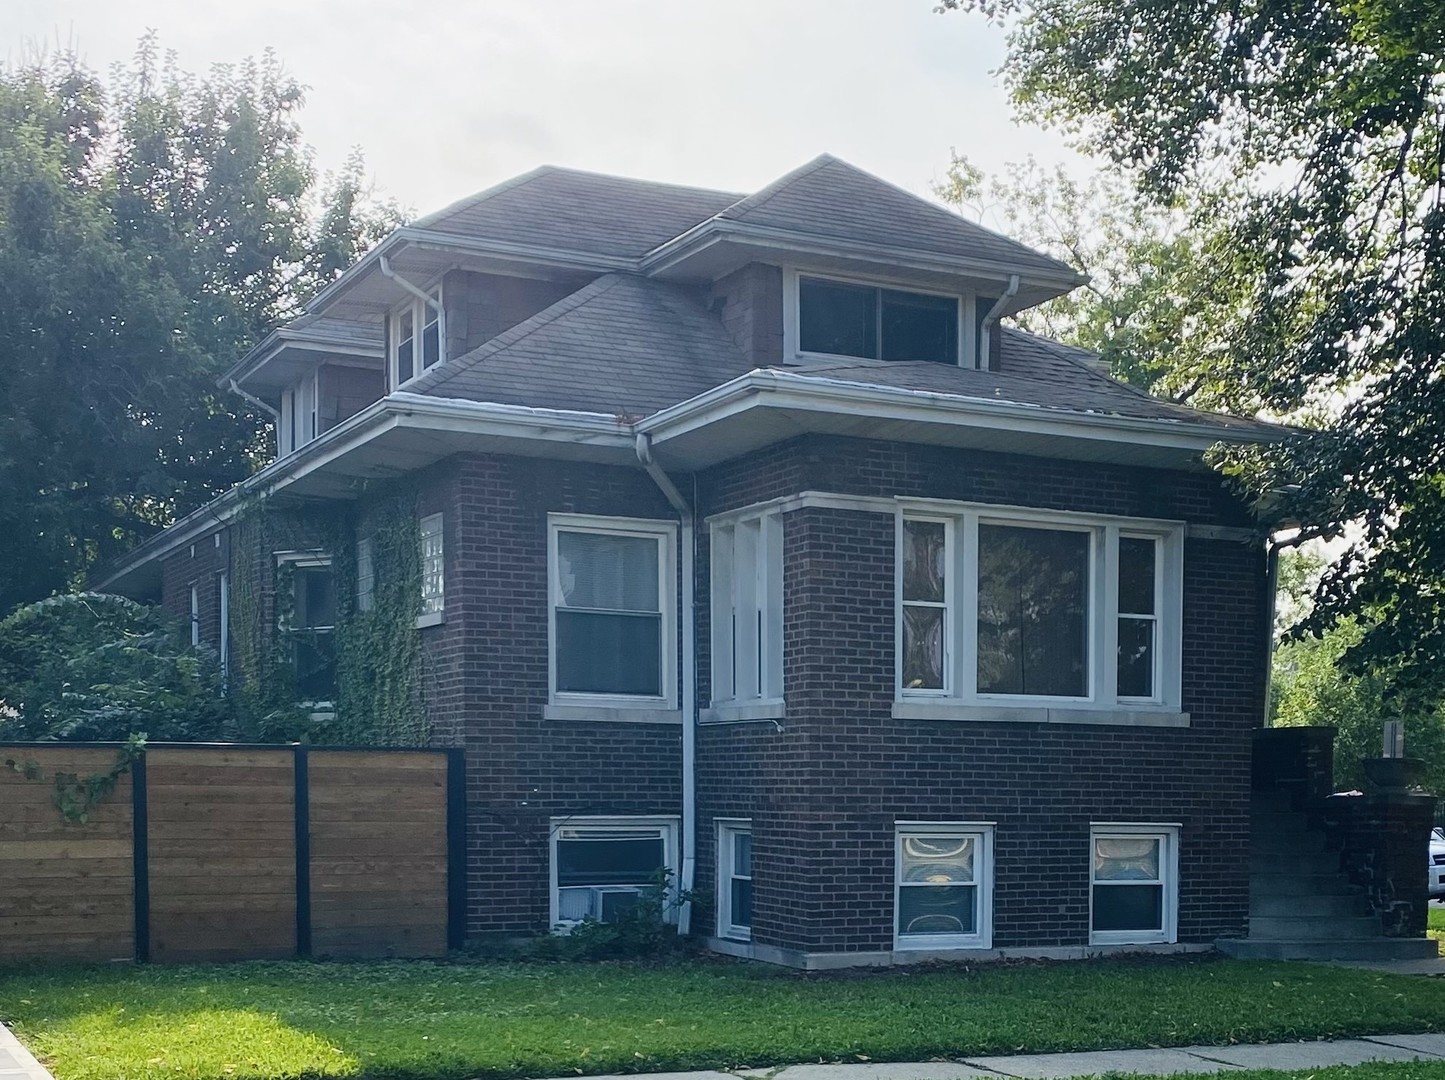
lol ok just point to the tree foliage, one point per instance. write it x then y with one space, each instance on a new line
1316 131
152 227
98 667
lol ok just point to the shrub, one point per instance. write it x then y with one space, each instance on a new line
642 931
97 667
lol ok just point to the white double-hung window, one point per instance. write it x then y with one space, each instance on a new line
1056 613
943 886
747 615
1133 884
613 610
417 341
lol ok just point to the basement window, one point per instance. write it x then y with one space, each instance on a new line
601 866
943 892
1134 884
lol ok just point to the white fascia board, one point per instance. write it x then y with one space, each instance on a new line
714 230
283 338
395 411
784 390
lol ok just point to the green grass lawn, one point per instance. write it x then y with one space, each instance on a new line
1437 927
450 1021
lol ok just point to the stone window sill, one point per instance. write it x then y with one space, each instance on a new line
742 712
613 714
1121 716
434 618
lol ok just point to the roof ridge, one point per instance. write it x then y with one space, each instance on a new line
443 372
767 191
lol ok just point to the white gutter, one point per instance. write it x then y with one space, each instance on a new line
786 389
275 413
689 676
991 320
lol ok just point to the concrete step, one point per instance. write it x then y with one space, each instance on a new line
1381 948
1292 927
1302 863
1343 904
1279 885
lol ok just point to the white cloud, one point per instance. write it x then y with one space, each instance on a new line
449 98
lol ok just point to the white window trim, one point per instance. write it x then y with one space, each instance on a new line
667 826
767 581
418 310
1168 835
960 698
439 616
365 574
223 616
300 414
727 828
792 351
626 708
195 614
983 831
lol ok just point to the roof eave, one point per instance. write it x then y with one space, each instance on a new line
679 249
785 389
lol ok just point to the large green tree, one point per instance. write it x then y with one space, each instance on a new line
152 227
1316 131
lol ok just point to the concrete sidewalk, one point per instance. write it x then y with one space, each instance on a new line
1188 1059
16 1063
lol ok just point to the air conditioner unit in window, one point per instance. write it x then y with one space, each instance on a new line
609 905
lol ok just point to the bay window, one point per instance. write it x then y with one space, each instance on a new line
1002 608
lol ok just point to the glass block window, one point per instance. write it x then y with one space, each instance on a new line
365 573
433 566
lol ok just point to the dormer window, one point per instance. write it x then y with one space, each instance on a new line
416 338
831 317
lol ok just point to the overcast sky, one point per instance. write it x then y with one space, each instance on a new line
447 98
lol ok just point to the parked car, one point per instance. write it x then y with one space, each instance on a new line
1437 864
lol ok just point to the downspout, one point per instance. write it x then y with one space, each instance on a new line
689 676
425 298
991 319
235 389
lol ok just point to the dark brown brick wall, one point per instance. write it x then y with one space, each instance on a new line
825 793
523 770
200 563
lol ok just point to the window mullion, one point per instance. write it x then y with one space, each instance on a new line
965 628
1106 634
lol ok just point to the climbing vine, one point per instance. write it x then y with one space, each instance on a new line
75 795
381 665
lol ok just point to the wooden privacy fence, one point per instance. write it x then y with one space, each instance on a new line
221 852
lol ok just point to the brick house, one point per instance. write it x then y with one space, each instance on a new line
756 545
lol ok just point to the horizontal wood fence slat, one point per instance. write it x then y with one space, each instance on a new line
214 852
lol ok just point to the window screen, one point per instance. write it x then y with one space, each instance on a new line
608 617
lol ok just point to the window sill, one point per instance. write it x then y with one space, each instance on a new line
743 712
613 714
1116 938
1122 716
434 618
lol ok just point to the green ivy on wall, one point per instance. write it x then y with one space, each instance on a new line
381 665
